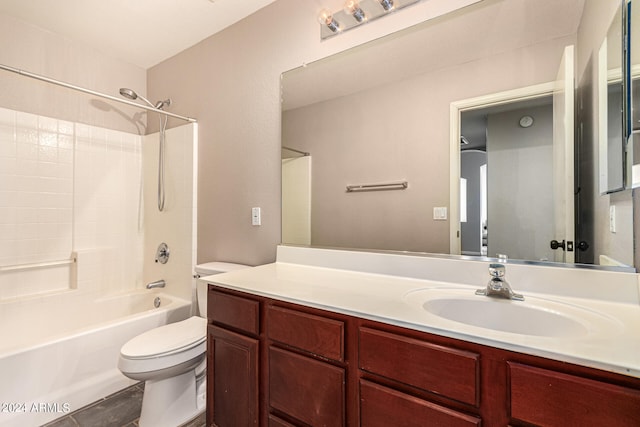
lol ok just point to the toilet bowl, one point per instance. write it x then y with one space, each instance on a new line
171 360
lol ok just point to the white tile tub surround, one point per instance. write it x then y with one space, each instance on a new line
176 224
67 186
36 188
72 187
108 225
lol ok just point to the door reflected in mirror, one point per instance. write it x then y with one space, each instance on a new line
507 163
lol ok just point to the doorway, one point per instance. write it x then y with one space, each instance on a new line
506 168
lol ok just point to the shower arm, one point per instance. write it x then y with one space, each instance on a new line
92 92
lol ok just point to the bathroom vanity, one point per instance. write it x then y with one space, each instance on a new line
297 345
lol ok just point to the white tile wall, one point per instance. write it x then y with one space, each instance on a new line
36 189
107 230
176 224
67 186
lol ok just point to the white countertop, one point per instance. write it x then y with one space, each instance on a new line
380 297
613 344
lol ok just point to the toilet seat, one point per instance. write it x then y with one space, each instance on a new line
171 347
167 339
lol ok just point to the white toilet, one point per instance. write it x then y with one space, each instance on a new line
171 360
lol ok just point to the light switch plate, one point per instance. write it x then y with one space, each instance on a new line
256 216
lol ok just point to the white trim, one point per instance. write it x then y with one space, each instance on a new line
457 107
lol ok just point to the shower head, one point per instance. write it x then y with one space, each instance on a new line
129 93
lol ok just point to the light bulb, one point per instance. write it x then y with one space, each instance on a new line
353 8
326 18
386 4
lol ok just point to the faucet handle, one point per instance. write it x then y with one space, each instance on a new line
497 270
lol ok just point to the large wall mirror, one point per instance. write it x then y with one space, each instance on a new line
373 139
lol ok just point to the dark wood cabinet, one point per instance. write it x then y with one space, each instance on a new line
306 389
233 360
441 370
550 398
382 407
307 373
309 333
278 364
232 379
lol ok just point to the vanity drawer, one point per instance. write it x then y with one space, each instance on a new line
234 311
314 334
306 389
544 397
277 422
442 370
381 406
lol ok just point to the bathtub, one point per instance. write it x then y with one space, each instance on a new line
60 352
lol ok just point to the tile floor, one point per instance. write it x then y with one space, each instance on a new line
121 409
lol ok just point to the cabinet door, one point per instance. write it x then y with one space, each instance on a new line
232 380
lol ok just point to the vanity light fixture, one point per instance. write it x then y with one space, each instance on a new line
326 18
352 7
355 13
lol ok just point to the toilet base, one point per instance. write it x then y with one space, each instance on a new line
169 402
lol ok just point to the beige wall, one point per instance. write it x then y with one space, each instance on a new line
231 83
32 49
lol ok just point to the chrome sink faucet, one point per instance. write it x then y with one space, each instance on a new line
498 287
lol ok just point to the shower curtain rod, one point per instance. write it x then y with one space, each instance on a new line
304 153
92 92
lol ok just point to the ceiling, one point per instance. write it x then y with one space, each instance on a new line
141 32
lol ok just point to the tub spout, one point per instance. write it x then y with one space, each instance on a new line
156 284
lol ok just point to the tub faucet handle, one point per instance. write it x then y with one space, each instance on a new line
162 254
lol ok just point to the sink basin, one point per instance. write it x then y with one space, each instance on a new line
534 316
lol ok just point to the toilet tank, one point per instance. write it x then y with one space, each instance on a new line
207 269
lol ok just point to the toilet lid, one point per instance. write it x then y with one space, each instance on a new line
163 340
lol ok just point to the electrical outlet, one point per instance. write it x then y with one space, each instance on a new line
612 219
